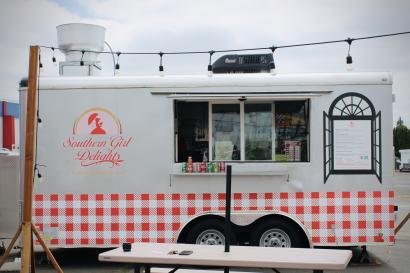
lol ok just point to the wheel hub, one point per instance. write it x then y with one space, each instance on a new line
210 237
275 238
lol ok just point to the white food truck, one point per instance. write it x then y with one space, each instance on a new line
130 159
311 158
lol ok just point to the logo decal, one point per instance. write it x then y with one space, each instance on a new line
97 139
97 121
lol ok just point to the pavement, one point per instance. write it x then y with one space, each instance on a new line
384 259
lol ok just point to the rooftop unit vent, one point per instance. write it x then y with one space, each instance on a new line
250 63
75 38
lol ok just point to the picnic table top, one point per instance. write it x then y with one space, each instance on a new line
239 256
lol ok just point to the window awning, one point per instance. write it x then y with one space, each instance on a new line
244 96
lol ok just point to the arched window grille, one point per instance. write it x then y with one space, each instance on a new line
347 128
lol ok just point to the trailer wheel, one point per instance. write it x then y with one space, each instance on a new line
278 233
208 232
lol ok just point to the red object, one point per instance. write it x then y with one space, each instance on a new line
101 219
9 138
222 167
98 130
91 118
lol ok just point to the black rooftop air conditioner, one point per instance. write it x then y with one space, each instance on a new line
250 63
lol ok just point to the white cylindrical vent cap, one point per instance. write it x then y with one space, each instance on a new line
78 36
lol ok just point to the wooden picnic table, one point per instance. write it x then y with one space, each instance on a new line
204 256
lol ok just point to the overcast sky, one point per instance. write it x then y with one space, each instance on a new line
136 25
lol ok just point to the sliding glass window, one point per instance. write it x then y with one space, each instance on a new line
226 136
258 131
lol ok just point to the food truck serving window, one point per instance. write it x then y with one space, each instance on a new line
242 131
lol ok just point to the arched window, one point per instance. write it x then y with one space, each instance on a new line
352 137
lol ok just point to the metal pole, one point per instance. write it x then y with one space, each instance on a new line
228 208
228 211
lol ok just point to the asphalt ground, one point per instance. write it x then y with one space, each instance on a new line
383 259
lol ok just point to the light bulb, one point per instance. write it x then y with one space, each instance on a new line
39 122
41 66
349 63
161 71
54 58
273 71
210 73
272 68
82 56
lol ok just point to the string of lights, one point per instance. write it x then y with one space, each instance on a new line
37 166
349 59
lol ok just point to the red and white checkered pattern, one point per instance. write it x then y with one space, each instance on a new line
331 218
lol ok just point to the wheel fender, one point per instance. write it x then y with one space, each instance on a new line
291 218
244 218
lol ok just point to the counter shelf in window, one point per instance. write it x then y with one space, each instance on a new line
250 170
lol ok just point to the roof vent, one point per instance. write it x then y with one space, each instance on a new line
249 63
75 38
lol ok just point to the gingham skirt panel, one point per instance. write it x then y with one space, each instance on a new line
331 218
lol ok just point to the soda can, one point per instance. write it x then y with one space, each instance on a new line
210 168
197 167
203 167
216 167
222 167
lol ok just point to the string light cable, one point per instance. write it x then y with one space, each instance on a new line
233 50
212 52
161 67
117 65
349 59
272 66
53 59
39 123
82 56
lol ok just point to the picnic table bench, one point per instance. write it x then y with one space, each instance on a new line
149 255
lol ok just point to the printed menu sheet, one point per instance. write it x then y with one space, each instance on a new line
352 144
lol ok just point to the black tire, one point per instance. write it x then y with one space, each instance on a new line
214 227
278 233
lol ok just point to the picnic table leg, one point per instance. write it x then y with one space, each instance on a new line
317 271
226 269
